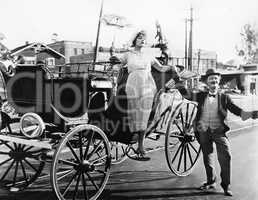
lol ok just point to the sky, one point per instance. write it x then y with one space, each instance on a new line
216 27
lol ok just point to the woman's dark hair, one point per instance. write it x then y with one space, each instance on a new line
137 35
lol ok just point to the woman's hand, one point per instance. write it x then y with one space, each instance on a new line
114 60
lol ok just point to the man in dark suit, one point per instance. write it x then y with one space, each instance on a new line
211 128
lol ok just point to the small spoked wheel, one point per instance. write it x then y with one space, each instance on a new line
20 165
181 146
118 152
81 164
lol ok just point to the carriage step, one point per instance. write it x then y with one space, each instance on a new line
154 137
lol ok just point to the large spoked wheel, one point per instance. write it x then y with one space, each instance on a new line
20 165
81 164
181 146
118 152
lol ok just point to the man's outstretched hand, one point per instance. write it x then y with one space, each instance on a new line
246 115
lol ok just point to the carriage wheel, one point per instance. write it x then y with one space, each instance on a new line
118 152
20 165
81 164
181 146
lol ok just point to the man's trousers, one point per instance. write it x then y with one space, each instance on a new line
207 140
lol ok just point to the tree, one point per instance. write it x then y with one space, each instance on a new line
249 39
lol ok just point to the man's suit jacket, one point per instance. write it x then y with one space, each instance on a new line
224 104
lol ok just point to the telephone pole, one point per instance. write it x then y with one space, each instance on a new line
186 42
98 32
190 47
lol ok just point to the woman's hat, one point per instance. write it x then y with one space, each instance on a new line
135 34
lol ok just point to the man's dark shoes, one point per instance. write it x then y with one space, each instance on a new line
208 187
227 191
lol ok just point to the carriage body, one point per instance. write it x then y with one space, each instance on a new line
60 117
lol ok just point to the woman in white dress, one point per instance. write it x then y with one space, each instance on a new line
140 87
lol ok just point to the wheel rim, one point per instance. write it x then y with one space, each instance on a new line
20 165
81 164
181 146
118 152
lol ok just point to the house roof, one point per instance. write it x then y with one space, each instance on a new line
38 46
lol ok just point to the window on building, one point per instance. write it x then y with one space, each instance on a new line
75 51
50 61
83 51
62 50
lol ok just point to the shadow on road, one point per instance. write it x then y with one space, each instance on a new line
157 193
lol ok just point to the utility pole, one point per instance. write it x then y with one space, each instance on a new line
190 47
198 61
98 32
186 42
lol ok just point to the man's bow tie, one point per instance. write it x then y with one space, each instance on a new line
212 95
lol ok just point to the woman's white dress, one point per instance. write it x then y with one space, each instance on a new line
140 89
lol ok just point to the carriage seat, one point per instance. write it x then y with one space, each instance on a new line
70 121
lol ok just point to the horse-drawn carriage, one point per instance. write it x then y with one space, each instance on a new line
76 122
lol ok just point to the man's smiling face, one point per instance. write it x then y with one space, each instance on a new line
213 82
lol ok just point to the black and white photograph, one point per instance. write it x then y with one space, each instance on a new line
129 100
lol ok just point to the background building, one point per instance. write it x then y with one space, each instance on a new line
35 52
72 48
201 60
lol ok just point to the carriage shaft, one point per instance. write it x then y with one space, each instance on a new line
29 142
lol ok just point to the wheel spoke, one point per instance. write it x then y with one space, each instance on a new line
88 145
72 150
66 174
84 187
100 171
94 150
70 183
191 117
66 162
22 147
6 172
7 160
182 120
180 158
15 146
189 154
28 148
185 160
15 172
186 115
77 185
9 146
175 135
193 148
98 159
35 169
24 173
80 145
95 185
34 157
179 128
19 147
116 153
180 146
